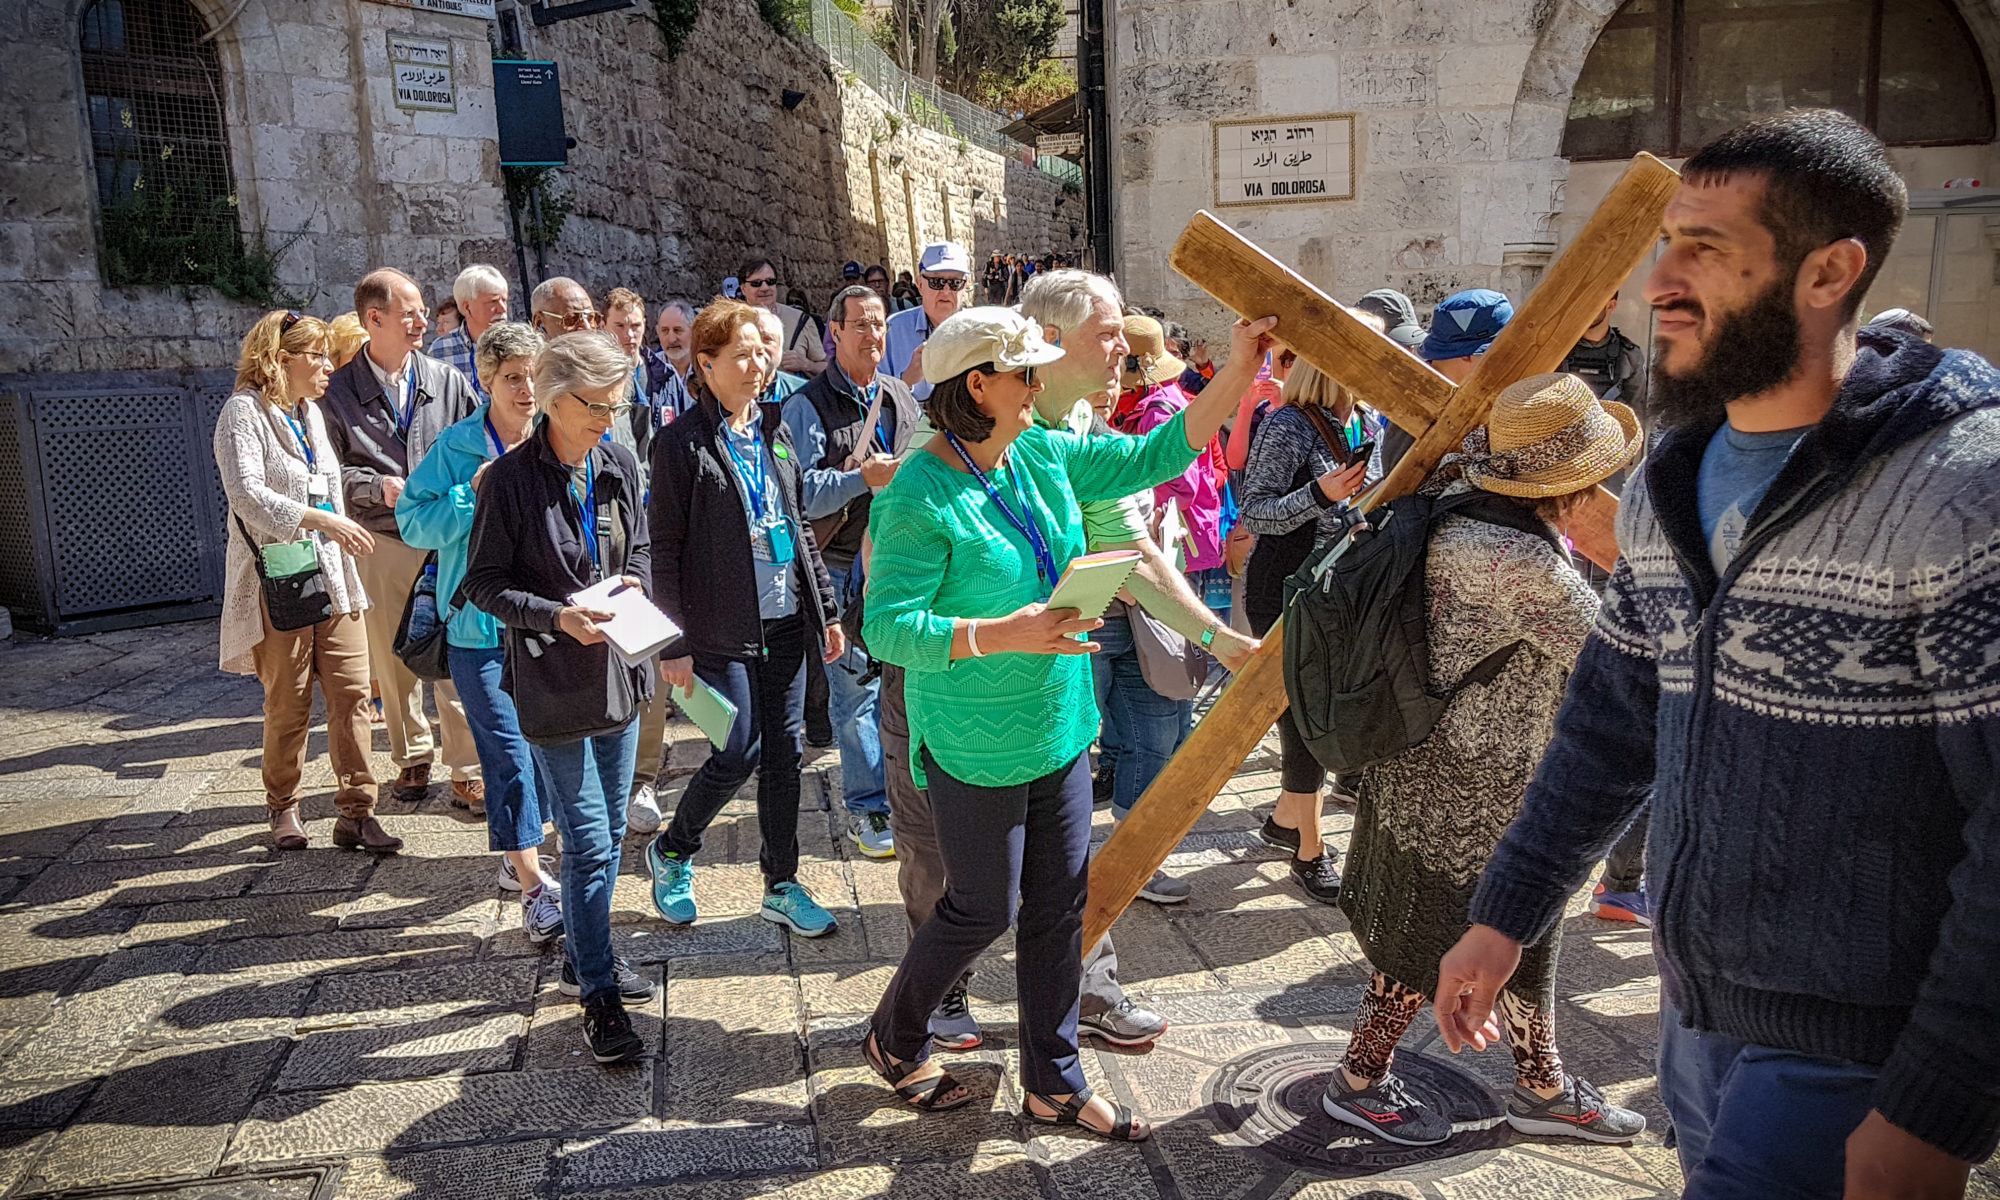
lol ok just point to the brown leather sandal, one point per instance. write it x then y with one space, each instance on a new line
925 1094
1125 1125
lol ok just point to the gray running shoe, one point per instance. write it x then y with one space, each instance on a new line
1163 888
1388 1110
1580 1112
1129 1024
952 1026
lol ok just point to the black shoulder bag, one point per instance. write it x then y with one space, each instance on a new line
297 598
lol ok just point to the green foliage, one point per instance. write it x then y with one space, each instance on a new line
675 20
1048 82
543 202
998 42
786 16
173 228
853 8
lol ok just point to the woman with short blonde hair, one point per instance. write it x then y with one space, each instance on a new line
345 337
282 479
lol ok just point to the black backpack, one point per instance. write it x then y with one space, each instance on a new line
1357 635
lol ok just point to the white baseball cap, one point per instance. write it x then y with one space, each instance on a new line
943 258
972 337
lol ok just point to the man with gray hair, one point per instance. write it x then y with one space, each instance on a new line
667 366
481 294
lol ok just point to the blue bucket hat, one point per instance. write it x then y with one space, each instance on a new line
1465 324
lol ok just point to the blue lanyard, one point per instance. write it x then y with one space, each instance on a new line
408 398
493 435
1025 524
867 399
587 504
305 443
754 486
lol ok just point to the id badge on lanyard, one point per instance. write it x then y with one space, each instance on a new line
319 493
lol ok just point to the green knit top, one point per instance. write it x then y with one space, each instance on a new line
943 550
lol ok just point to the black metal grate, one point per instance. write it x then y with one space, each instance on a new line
160 149
121 499
20 573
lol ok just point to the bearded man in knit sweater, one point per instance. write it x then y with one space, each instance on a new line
1799 659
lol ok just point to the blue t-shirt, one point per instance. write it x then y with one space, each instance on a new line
1736 471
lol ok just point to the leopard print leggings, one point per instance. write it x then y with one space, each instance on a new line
1389 1008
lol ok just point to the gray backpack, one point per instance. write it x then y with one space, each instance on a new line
1357 634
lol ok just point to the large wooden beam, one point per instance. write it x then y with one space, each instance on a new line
1540 336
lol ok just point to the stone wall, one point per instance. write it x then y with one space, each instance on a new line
677 178
1460 109
681 168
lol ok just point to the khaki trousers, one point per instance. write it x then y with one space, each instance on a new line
652 732
388 575
335 652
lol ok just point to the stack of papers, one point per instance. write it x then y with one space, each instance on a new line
636 628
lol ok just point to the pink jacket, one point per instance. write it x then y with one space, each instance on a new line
1200 501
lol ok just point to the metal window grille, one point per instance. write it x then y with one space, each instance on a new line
158 143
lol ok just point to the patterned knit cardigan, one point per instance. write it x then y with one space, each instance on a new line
1820 731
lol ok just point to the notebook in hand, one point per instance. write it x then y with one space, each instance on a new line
1091 582
636 628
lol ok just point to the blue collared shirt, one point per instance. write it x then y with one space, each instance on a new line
457 349
907 331
828 488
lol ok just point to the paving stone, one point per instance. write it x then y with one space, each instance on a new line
1154 957
1305 1187
200 922
88 1029
324 953
369 1117
1511 1173
1203 1168
648 1156
381 997
114 844
1259 947
43 1104
446 1046
315 870
140 881
147 1121
502 1172
1085 1168
858 987
1165 1083
989 1177
290 1186
19 1149
860 1119
220 1008
660 942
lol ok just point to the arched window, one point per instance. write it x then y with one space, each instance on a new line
1669 75
154 90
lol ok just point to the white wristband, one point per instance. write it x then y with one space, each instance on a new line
972 639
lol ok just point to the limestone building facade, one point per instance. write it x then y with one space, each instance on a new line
306 121
1484 133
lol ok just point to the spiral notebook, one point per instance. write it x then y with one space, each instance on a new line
1091 582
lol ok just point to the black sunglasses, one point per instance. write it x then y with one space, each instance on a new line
771 282
944 285
292 317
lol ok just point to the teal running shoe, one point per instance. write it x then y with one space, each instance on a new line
790 905
673 884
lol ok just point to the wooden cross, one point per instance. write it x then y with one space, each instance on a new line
1253 284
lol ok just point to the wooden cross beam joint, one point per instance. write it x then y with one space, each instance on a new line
1253 284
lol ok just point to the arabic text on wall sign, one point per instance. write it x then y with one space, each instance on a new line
1284 160
420 73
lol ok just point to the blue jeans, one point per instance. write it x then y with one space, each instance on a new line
1015 855
770 700
516 806
1756 1123
1142 728
587 781
855 708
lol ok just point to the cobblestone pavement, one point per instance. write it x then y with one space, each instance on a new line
186 1013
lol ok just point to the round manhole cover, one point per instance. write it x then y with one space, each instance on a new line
1267 1102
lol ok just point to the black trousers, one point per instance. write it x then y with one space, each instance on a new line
1020 856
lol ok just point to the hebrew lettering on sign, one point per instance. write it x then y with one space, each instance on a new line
1287 160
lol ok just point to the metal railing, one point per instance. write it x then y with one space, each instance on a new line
927 104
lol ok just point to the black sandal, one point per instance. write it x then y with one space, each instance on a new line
924 1094
1070 1112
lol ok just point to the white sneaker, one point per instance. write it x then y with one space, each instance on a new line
642 811
541 913
510 880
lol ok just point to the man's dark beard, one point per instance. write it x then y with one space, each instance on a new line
1752 350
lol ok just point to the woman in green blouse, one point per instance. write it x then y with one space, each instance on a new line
969 539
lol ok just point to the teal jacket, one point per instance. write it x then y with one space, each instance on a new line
435 513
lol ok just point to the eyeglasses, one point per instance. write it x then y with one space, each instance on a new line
325 360
589 319
1027 374
771 282
944 285
603 410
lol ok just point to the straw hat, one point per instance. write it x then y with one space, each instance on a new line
1550 435
1148 343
